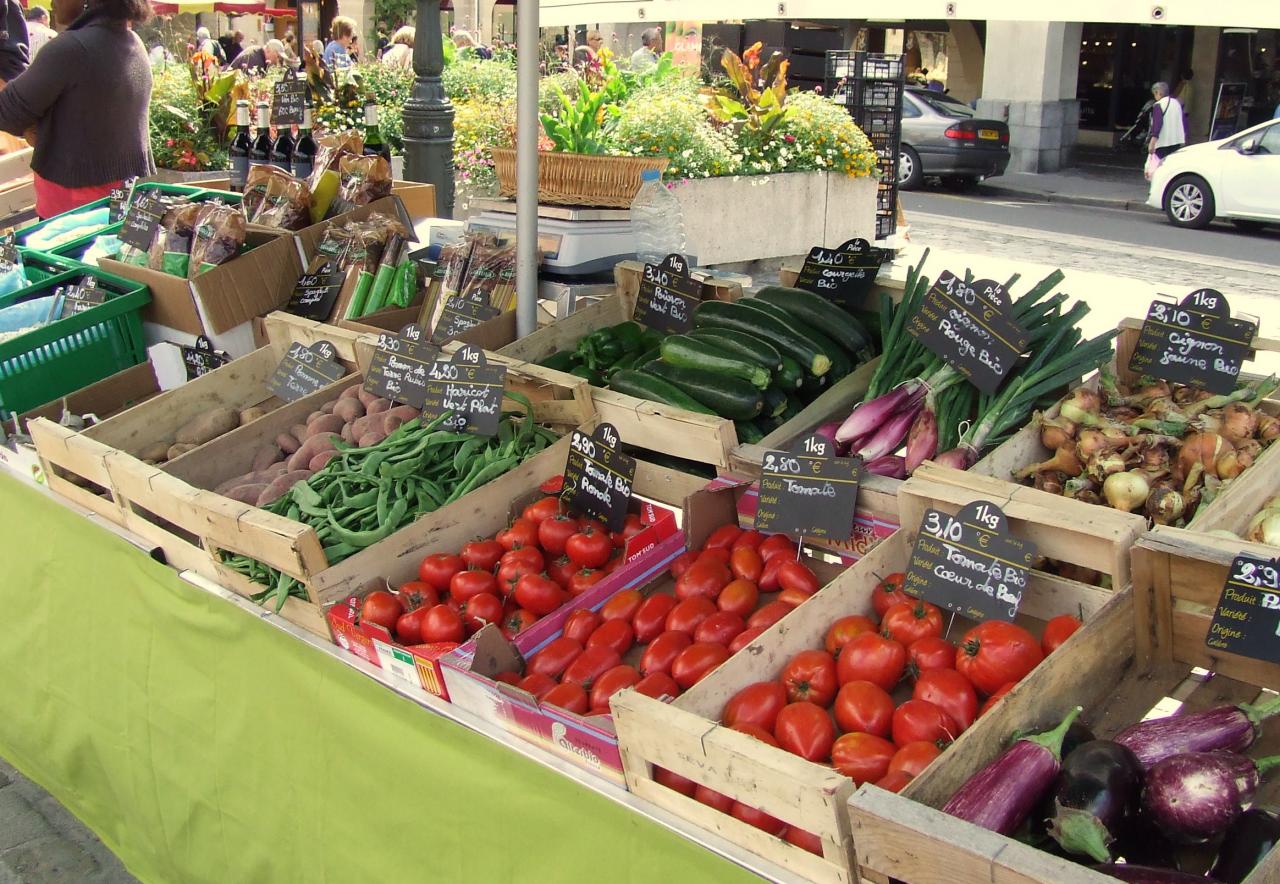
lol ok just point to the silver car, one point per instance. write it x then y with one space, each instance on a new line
941 136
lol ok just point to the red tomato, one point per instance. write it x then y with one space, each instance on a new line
530 555
996 697
996 652
586 523
912 758
720 628
522 533
874 658
723 537
739 597
560 570
776 544
712 798
1058 630
744 638
686 615
755 730
793 598
612 681
757 818
843 631
949 691
703 578
811 676
614 634
682 563
719 554
888 592
694 662
806 730
921 720
804 840
863 758
658 685
581 581
554 533
465 584
631 526
769 614
622 606
481 610
568 696
662 650
589 548
482 555
382 608
757 704
511 678
555 657
438 569
907 621
650 619
616 558
796 575
751 538
863 706
590 665
930 652
580 624
674 781
537 684
894 781
539 594
746 564
509 574
418 594
441 624
409 626
540 510
517 622
769 576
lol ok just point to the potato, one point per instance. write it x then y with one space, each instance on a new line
349 409
325 423
352 392
362 425
249 415
247 493
365 397
280 485
287 443
346 434
178 449
327 408
208 426
313 416
155 452
313 446
378 406
373 437
259 477
321 460
266 456
299 431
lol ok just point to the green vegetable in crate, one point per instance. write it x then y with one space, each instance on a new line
589 374
841 362
724 394
565 360
685 352
655 389
817 312
600 349
630 335
785 336
748 432
775 401
748 348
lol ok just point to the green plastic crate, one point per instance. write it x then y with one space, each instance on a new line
39 266
65 355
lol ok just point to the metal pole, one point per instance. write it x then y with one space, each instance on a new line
428 114
526 167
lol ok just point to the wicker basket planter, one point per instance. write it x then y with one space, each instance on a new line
571 179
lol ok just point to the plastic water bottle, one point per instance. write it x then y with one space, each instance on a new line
656 220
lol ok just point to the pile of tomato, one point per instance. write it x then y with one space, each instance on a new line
882 697
665 643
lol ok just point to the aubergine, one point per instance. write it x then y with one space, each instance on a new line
1077 735
1247 842
1135 874
1143 843
1002 795
1198 795
1097 795
1226 728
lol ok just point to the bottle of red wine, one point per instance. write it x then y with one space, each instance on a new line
374 144
304 152
238 151
282 149
260 152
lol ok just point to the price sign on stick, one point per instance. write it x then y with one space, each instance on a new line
305 370
470 388
844 275
598 476
315 293
1195 342
140 221
288 101
398 370
968 325
202 358
808 491
668 296
1247 620
969 563
459 315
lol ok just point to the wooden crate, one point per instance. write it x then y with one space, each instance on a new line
1144 651
685 737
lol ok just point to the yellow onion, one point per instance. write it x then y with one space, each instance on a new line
1094 442
1268 427
1082 407
1189 395
1124 413
1064 460
1148 392
1273 503
1104 465
1203 449
1232 464
1049 480
1126 491
1164 506
1264 528
1239 422
1056 432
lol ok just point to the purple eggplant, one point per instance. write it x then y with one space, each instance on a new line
1151 874
1227 728
1247 842
1096 798
1198 795
1002 795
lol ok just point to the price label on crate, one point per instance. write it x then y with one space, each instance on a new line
808 491
141 219
9 255
116 202
844 275
1247 620
1195 342
668 296
598 476
969 563
969 326
469 389
305 370
314 294
288 101
81 297
459 315
202 358
398 370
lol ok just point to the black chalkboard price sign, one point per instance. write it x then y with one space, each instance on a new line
969 326
288 101
459 315
398 370
844 275
81 297
305 370
969 563
1247 620
9 255
117 200
598 476
668 296
141 219
202 358
808 491
315 293
468 389
1195 342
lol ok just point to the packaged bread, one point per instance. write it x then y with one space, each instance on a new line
219 236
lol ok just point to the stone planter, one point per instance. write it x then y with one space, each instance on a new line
745 218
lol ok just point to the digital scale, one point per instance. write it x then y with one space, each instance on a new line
574 241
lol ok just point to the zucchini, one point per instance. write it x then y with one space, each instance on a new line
789 339
818 312
775 401
746 347
686 352
768 424
724 394
794 407
748 432
589 374
645 386
830 347
811 388
564 360
790 375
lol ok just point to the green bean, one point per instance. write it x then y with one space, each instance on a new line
381 531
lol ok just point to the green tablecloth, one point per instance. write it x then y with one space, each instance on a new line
203 744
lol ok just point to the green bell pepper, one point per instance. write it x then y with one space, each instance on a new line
630 335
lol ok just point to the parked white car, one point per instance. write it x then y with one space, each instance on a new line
1236 178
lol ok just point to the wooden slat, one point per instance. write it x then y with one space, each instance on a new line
352 347
564 334
656 427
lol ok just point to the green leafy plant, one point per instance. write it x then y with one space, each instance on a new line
759 95
660 122
582 125
477 79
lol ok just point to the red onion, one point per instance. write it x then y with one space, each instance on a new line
922 441
957 458
869 417
890 465
890 435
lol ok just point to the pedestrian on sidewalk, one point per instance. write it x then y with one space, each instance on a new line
1168 132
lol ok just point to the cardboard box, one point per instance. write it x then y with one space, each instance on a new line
308 238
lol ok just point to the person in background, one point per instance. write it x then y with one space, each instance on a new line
259 58
232 45
354 49
317 49
336 54
87 95
38 30
159 56
1167 130
205 43
646 56
595 40
582 57
400 53
1185 89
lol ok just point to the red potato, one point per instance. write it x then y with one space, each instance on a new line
346 434
378 406
278 487
261 477
349 409
266 456
401 414
315 415
373 437
313 446
321 460
287 442
365 397
299 432
325 423
328 407
246 493
352 392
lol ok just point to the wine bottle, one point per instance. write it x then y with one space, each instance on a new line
238 151
374 145
304 152
260 152
282 149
